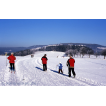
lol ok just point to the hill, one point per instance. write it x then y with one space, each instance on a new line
29 71
94 47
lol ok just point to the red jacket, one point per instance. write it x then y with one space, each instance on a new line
71 62
44 60
11 58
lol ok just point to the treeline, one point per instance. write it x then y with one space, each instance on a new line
68 49
74 50
65 48
81 51
85 51
61 48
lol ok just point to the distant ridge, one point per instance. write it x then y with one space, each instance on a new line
92 46
95 47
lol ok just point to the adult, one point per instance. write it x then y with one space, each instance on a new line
44 62
12 59
70 64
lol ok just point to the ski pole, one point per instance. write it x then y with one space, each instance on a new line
63 70
15 67
6 60
6 57
56 67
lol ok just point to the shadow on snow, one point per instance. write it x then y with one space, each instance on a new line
58 72
39 68
52 71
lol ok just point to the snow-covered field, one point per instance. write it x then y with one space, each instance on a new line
89 71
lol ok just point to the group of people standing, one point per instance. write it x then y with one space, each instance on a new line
70 64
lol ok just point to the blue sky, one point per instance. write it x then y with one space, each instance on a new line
29 32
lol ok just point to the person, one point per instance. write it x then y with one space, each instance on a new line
32 55
60 67
11 59
70 64
44 62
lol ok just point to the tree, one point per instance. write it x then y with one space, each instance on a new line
75 52
90 52
25 53
83 51
103 52
96 54
69 52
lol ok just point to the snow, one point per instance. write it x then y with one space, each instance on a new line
89 71
101 47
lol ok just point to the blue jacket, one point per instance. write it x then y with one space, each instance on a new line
60 66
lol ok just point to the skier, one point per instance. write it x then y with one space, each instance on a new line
60 67
70 64
44 62
11 59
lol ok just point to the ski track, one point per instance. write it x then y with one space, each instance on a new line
82 80
29 73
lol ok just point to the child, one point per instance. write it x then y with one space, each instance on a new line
60 67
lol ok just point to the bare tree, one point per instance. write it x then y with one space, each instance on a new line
103 52
90 52
69 52
83 51
75 52
96 54
25 53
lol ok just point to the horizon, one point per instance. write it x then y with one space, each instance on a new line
52 44
29 32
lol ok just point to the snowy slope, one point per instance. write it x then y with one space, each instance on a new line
90 72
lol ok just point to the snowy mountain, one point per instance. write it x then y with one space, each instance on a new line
94 47
89 71
101 48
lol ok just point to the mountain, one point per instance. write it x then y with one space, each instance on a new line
95 47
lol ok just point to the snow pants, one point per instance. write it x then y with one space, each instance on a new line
44 67
12 66
60 70
72 72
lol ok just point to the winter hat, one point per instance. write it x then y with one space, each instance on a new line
70 56
12 53
60 62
